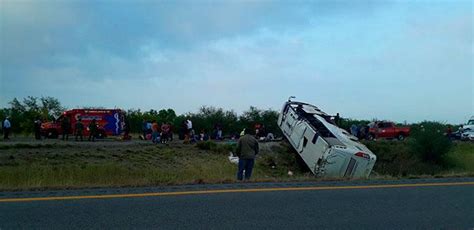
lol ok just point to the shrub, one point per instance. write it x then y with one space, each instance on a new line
395 158
429 142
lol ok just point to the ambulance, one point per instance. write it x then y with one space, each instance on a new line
109 122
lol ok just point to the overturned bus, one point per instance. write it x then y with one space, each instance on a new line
327 150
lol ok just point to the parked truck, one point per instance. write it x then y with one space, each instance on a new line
467 130
109 122
326 149
387 130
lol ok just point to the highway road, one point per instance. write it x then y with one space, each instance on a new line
405 204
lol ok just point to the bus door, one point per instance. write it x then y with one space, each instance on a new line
297 135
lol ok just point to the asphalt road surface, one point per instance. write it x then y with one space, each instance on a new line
409 204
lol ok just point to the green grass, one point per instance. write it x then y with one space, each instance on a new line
47 176
461 157
68 166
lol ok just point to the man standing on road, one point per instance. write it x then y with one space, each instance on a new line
247 149
6 128
78 129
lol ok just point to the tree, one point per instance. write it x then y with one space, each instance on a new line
166 115
270 119
51 107
251 116
23 114
16 106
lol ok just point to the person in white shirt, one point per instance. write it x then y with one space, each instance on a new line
190 133
189 123
6 128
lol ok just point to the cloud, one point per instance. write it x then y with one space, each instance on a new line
345 58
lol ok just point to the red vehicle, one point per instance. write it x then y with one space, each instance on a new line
109 122
386 129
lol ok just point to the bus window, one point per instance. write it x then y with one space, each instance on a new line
305 142
315 138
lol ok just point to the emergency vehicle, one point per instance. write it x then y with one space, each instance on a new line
109 122
326 149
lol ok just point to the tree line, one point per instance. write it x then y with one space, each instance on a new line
23 112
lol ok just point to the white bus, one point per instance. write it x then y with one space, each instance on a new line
327 150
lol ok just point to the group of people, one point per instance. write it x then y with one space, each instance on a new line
163 133
79 128
93 128
188 134
157 133
65 126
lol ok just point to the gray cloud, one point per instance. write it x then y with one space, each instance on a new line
235 54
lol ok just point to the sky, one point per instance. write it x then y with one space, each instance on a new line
394 60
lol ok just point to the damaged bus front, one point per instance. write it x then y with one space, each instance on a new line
327 150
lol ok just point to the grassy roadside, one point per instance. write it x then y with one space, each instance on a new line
34 166
461 157
115 164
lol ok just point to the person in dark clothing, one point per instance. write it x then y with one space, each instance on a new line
66 127
79 128
144 128
218 131
299 110
92 130
181 132
247 150
126 130
165 131
365 132
37 127
337 119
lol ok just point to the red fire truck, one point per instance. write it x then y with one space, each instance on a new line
109 122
